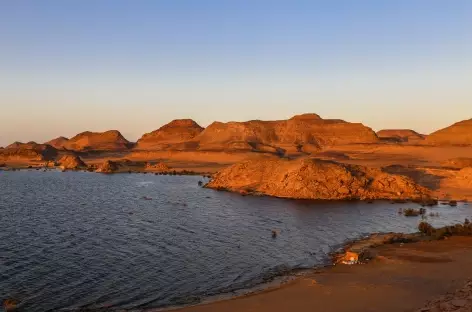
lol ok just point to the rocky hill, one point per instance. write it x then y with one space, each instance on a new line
400 135
314 179
30 151
173 133
58 143
459 133
111 140
302 133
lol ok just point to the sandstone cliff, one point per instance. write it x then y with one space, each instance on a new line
459 133
175 132
302 133
315 179
400 135
111 140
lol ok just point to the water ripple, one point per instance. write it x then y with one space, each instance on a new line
73 240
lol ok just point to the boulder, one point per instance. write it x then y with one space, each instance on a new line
108 167
71 162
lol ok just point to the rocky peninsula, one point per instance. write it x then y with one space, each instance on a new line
315 179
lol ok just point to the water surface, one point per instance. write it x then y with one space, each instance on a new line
75 240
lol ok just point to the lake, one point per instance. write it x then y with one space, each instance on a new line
79 240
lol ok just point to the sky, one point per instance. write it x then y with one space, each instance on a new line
72 66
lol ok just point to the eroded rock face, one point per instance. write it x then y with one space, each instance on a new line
98 141
315 179
58 143
30 151
400 135
177 131
459 133
71 162
301 133
305 133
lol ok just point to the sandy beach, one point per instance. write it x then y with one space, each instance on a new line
401 278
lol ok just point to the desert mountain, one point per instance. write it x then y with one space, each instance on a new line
314 179
300 133
27 151
111 140
177 131
400 135
58 143
459 133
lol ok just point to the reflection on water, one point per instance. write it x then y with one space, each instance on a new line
83 240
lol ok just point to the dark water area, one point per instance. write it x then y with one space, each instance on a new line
74 240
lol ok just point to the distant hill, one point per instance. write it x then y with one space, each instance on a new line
459 133
400 135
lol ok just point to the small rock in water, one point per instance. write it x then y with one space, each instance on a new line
10 304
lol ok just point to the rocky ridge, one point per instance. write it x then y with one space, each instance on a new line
302 133
459 133
111 140
169 135
400 135
58 143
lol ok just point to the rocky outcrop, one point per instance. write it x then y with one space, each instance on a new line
111 140
459 133
459 300
159 167
302 133
400 135
30 151
460 162
72 162
315 179
108 167
58 143
175 132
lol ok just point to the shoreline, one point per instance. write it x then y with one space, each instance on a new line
248 301
365 246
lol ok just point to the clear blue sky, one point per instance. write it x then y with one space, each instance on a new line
70 66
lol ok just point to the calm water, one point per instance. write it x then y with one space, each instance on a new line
71 241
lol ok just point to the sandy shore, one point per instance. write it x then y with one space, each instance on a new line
401 278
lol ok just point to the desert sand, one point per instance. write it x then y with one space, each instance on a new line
403 277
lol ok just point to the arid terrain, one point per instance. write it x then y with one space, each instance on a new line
423 276
440 162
